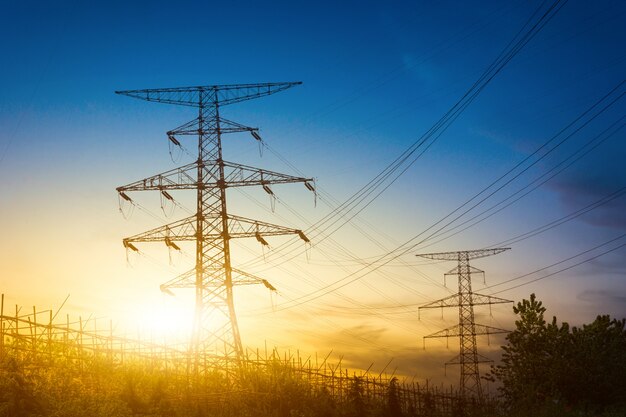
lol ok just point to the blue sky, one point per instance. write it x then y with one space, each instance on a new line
375 78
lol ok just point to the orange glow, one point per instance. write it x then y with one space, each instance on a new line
166 319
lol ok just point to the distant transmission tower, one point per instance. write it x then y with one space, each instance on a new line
467 329
215 326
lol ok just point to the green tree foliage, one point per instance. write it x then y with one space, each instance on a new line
600 350
550 369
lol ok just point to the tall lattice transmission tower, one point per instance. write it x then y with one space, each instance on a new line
467 329
215 334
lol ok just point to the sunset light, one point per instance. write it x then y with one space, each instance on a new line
303 209
166 320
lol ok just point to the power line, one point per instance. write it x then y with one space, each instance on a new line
405 248
598 203
559 263
403 162
535 184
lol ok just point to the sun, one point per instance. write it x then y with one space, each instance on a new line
164 319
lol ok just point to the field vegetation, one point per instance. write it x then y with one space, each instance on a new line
547 369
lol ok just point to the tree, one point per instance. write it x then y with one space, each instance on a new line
599 350
523 368
548 368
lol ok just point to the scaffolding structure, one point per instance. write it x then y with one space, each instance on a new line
212 227
467 329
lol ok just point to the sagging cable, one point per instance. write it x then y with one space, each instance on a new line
312 188
171 245
173 142
269 191
123 201
258 138
262 241
129 247
165 197
307 244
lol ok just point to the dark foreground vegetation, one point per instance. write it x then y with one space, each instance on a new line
547 370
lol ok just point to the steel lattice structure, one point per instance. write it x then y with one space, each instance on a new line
467 329
215 326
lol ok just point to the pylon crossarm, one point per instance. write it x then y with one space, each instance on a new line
235 175
228 126
454 361
242 227
471 270
245 278
187 280
239 227
457 331
480 299
481 329
191 128
184 280
175 179
240 175
451 301
483 359
235 93
180 230
455 301
209 127
453 331
471 254
211 94
479 359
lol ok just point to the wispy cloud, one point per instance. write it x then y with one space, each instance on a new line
612 302
575 193
602 297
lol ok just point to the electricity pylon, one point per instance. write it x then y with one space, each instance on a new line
215 327
467 329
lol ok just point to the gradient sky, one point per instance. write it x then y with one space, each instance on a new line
375 78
